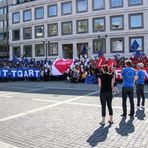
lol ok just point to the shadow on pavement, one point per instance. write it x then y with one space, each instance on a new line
99 135
140 114
125 127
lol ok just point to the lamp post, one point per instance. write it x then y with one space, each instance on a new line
102 37
45 47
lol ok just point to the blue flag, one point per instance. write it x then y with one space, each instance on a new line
134 46
83 49
101 52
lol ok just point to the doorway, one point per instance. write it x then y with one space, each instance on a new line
67 51
80 47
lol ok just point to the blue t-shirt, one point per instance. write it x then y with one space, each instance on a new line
141 75
128 75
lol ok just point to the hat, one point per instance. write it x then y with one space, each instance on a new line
141 65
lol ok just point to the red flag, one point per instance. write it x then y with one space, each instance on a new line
101 62
111 62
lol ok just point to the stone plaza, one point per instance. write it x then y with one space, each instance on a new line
58 114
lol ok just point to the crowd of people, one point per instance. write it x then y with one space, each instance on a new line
81 68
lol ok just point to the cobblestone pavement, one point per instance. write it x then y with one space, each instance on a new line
65 115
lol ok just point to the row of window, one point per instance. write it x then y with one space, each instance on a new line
117 45
66 8
117 23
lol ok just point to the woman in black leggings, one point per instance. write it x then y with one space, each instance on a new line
106 84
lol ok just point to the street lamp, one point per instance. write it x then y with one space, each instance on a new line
101 38
45 47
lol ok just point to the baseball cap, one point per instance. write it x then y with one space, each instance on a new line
141 65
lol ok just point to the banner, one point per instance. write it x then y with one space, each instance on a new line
118 73
60 66
19 73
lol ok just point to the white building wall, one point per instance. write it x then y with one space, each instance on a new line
78 38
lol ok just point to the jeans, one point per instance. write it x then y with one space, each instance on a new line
106 97
128 91
140 93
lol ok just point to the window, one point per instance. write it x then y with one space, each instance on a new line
139 40
99 44
98 4
27 51
27 33
16 17
136 21
53 49
117 45
39 50
1 24
117 23
135 2
1 11
27 15
67 28
66 8
53 29
52 10
39 13
1 36
116 3
99 24
82 26
82 5
5 24
16 35
39 31
16 51
5 10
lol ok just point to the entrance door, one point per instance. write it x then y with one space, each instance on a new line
67 51
80 47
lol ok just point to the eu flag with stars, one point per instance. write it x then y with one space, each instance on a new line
134 46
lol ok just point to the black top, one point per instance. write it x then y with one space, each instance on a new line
106 82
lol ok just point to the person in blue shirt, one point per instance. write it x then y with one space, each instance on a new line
128 75
140 79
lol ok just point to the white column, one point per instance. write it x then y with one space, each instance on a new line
10 53
126 45
90 48
33 50
60 49
108 48
74 50
126 22
89 5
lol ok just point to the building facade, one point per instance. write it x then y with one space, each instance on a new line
4 46
57 28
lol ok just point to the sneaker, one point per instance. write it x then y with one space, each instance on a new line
123 115
110 122
102 123
131 115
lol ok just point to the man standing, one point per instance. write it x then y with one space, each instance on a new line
128 75
140 85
